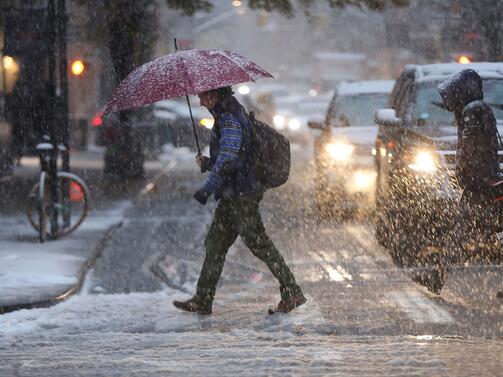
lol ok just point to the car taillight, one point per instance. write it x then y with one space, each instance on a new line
97 120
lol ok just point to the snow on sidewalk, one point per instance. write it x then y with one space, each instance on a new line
34 272
142 334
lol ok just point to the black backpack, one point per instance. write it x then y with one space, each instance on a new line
270 154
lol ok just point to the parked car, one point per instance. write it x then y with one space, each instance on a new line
292 113
175 124
164 122
345 169
416 152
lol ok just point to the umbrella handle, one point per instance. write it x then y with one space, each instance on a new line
199 154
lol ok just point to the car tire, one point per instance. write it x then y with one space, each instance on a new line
330 203
382 232
324 207
383 223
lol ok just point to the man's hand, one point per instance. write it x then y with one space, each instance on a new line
202 196
199 160
203 163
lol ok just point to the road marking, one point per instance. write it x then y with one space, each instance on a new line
338 274
419 308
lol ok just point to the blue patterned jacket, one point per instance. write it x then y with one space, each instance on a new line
230 163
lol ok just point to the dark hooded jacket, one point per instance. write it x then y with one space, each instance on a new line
477 148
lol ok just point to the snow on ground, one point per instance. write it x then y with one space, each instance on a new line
37 270
142 334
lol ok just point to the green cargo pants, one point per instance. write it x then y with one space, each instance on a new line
233 217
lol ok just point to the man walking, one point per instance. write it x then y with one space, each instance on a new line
232 182
476 166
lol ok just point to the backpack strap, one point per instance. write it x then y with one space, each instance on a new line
247 158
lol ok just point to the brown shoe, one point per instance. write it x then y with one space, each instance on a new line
288 304
192 306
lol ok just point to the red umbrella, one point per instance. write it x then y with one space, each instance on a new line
182 73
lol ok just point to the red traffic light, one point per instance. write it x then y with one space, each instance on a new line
97 120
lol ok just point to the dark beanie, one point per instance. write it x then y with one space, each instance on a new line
224 91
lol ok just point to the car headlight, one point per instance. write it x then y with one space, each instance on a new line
339 151
294 124
423 161
207 122
279 121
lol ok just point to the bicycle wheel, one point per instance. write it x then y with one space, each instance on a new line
73 207
37 209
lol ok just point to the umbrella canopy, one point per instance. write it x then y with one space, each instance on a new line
182 73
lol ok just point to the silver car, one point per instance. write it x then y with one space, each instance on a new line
344 149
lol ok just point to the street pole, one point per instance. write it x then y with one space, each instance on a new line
3 89
63 100
63 82
53 163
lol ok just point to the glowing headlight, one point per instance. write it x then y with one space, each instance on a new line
244 90
279 121
363 180
339 151
207 122
294 124
423 161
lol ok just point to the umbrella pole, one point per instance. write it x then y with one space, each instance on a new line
194 127
191 118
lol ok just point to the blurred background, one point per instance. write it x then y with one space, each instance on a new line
61 61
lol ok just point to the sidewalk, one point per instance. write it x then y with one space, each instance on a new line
34 274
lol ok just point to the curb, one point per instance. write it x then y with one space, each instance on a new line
88 264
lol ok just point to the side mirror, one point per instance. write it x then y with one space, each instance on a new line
315 125
387 117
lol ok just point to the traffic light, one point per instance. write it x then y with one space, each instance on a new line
78 67
464 59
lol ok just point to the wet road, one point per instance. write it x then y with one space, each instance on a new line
363 316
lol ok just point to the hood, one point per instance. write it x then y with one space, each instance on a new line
356 135
461 89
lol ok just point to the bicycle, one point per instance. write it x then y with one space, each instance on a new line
59 198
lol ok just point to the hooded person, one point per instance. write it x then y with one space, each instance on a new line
476 166
232 182
477 149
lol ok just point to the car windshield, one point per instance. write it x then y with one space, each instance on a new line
313 107
427 95
358 109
